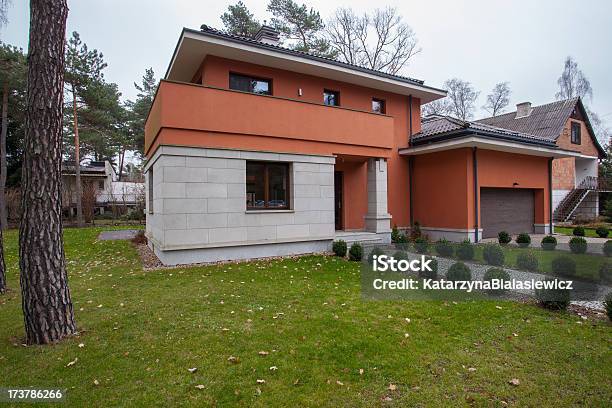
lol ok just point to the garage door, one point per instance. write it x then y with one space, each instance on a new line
506 209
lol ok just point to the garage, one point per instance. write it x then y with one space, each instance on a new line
506 209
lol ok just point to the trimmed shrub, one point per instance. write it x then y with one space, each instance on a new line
499 274
563 265
421 245
394 234
549 243
493 254
444 248
527 261
465 250
608 305
523 240
602 232
553 299
607 247
503 238
459 272
356 252
400 255
339 247
578 231
433 274
375 251
605 273
578 245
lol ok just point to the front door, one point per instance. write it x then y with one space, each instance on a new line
338 182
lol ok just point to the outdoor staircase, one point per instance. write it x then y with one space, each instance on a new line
568 206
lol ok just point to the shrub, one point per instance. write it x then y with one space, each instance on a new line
607 247
523 240
503 238
563 265
402 241
140 238
605 273
608 305
421 245
549 243
444 248
339 248
602 232
553 299
493 254
578 231
400 255
465 250
527 260
356 252
415 231
499 274
394 234
459 272
375 251
433 274
578 245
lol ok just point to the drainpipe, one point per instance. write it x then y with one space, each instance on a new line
475 166
410 160
550 198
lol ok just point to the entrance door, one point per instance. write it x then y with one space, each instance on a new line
338 184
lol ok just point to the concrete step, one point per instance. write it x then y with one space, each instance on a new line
366 238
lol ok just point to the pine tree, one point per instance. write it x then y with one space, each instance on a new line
238 20
139 109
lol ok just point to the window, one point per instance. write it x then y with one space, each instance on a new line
101 185
379 106
267 186
575 133
331 98
151 190
250 84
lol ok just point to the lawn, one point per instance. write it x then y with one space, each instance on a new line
589 232
323 345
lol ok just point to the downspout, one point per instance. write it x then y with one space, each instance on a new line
410 161
475 167
550 198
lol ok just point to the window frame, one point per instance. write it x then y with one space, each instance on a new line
336 94
150 186
252 77
266 188
576 126
383 103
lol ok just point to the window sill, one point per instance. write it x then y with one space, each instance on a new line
268 211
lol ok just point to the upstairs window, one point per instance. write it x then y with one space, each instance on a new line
267 186
251 84
331 98
379 106
575 133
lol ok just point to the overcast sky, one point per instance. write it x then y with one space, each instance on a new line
483 42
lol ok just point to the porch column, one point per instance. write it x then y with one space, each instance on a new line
378 220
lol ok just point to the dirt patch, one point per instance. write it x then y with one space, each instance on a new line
148 257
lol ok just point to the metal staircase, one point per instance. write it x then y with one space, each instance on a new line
568 206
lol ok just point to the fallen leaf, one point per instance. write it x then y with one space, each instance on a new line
471 369
514 381
96 382
192 370
273 368
407 320
200 386
361 371
263 353
73 362
339 382
392 387
498 307
261 381
81 345
233 359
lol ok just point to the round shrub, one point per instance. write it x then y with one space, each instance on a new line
552 298
602 232
607 248
608 305
400 255
527 261
339 248
549 243
459 272
421 245
578 231
375 251
444 248
356 252
563 265
523 240
465 250
605 273
578 245
433 274
504 238
498 274
493 254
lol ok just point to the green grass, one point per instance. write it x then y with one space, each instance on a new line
588 232
308 314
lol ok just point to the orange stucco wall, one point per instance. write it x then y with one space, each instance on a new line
355 194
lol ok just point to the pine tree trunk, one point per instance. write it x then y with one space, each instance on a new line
77 162
5 95
2 265
47 306
121 159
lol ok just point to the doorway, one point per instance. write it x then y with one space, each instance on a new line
338 198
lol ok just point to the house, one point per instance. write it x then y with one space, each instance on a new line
575 179
256 150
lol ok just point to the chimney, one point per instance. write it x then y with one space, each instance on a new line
523 110
267 35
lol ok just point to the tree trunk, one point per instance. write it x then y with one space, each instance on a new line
5 95
2 265
121 159
77 162
47 306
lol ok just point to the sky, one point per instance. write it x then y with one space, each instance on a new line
480 41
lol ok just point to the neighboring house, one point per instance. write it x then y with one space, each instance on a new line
255 150
575 179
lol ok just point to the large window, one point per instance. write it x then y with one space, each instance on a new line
575 132
267 186
151 190
378 106
331 98
250 84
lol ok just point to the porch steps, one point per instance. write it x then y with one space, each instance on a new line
364 237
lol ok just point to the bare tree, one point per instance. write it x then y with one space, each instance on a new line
498 99
437 107
461 98
47 305
572 82
381 41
